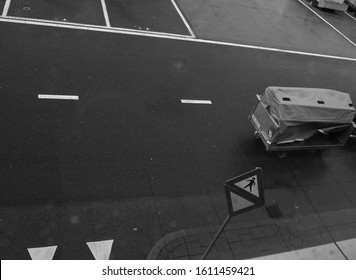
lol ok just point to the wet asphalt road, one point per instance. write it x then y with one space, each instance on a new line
128 154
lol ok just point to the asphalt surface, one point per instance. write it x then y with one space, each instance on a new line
278 24
87 12
128 161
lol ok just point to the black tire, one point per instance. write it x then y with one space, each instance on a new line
315 3
282 154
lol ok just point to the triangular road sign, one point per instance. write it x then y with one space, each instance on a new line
42 253
101 249
245 192
249 184
238 202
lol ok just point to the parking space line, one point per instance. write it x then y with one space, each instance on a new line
106 15
162 36
183 18
52 96
191 101
350 16
6 8
319 16
82 26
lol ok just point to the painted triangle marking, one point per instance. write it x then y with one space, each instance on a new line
42 253
250 185
239 202
101 249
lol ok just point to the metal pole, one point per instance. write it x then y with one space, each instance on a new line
216 237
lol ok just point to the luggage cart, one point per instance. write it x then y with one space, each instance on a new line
291 119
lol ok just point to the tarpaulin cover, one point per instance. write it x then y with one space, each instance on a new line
302 112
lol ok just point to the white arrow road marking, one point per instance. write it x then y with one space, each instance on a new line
101 249
42 253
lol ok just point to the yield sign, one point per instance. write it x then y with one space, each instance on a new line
245 192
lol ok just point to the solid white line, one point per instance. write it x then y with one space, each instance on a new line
190 101
90 27
51 96
6 8
183 18
347 39
350 16
106 15
162 36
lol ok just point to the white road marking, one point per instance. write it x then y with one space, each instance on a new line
6 8
51 96
42 253
183 18
350 16
319 16
90 27
101 249
161 35
106 15
190 101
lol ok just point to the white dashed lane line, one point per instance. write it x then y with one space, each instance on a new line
192 101
66 97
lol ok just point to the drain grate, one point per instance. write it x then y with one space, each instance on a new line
274 212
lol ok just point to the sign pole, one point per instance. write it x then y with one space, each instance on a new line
216 237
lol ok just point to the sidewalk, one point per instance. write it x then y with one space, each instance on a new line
244 241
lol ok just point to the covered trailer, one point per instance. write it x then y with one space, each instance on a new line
289 118
336 5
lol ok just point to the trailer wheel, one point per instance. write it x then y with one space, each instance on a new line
315 3
281 154
257 135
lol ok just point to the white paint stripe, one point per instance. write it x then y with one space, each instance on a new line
350 16
347 39
6 8
162 36
189 101
50 96
90 27
101 249
106 15
42 253
183 18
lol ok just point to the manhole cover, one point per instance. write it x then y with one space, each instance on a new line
274 212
